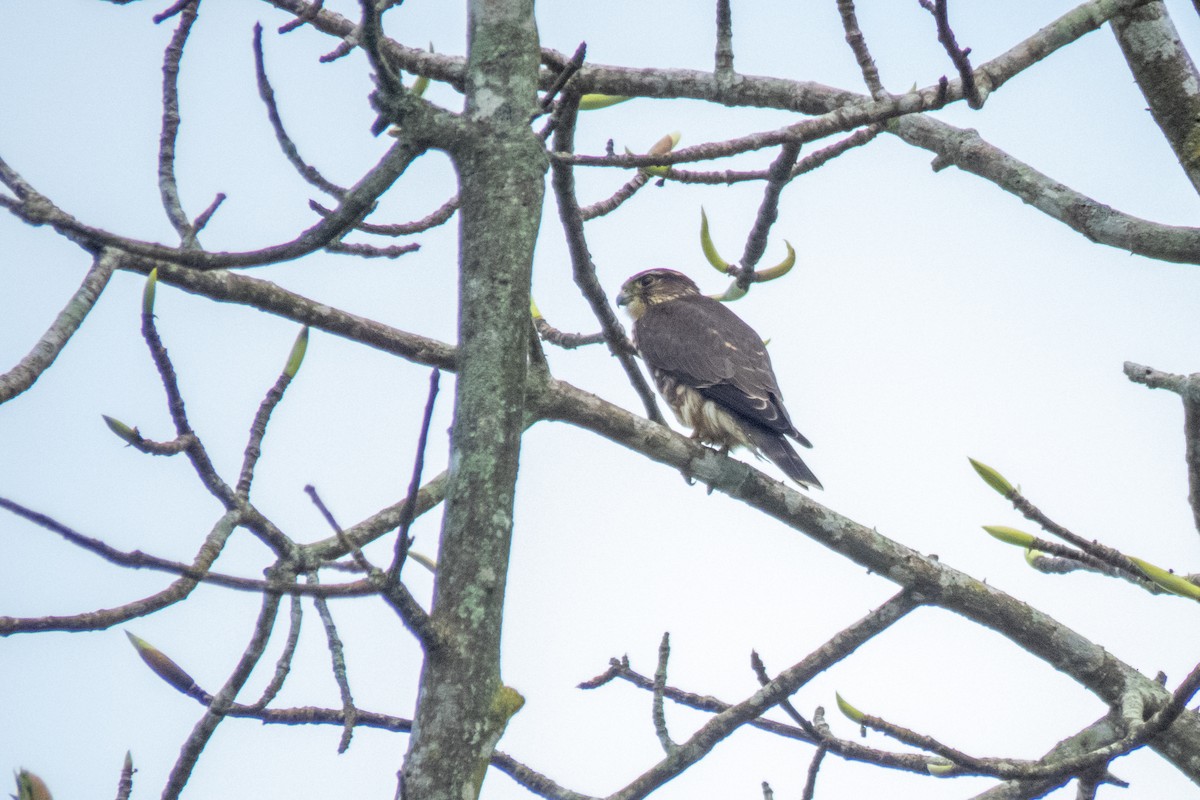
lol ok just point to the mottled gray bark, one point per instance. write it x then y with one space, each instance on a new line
463 706
1167 77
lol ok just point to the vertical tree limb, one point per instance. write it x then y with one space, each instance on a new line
463 706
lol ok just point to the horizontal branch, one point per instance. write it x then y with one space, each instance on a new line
1056 644
36 209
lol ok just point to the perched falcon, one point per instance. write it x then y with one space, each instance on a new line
712 369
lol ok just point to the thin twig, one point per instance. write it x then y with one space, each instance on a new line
306 170
560 80
309 14
283 664
768 211
414 485
656 706
194 745
814 766
201 221
195 450
190 575
858 45
258 430
167 185
169 12
723 57
370 251
1188 388
42 355
439 216
338 659
614 201
125 782
567 341
584 271
395 593
958 55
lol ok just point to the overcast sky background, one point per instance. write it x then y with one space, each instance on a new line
930 317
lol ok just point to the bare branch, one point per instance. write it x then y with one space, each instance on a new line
656 707
958 55
814 766
408 512
768 211
723 58
1188 388
258 428
283 664
858 45
170 122
306 170
213 544
584 271
46 350
788 681
338 659
1038 633
190 752
1167 77
441 215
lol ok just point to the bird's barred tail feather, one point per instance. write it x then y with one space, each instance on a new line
779 450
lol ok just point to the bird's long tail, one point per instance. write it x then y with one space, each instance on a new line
780 451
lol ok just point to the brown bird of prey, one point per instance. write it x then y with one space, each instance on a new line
712 369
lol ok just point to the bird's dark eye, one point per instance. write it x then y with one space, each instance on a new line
645 280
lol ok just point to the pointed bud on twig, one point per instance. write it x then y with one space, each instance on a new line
31 787
734 292
852 713
533 310
148 292
710 249
780 269
993 478
296 358
424 560
1010 535
123 431
591 102
939 767
1031 556
1168 580
164 667
659 148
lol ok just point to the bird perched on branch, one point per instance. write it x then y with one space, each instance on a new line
712 369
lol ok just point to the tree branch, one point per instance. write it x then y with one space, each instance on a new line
46 350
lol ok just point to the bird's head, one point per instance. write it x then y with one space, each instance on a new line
652 287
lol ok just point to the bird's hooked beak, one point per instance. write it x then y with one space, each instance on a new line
622 298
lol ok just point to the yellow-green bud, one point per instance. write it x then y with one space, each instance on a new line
164 667
1010 535
296 357
148 292
852 713
710 249
1168 580
123 431
992 478
591 102
782 268
939 767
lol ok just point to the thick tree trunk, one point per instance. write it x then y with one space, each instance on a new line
463 705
